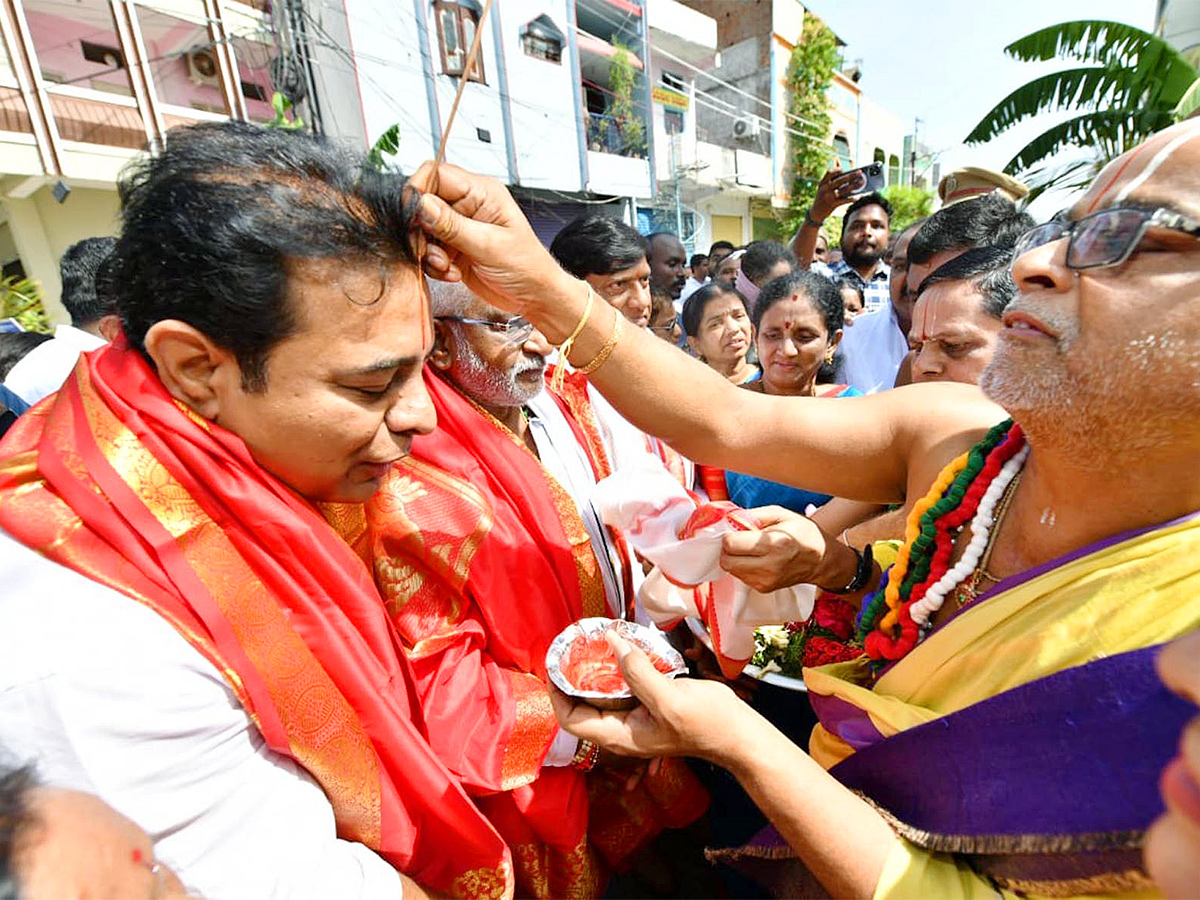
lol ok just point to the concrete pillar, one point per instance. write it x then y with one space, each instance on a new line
39 260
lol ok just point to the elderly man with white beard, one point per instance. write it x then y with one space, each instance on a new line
485 544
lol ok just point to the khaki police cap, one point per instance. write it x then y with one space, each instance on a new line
972 181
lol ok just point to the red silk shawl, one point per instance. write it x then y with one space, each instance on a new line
115 479
482 559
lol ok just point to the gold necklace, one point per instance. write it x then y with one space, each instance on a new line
969 590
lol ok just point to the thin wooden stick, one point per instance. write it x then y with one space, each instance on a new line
466 76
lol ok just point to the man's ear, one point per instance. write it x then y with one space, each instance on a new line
109 327
441 357
193 369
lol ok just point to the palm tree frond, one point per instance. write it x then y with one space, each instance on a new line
1188 103
1092 40
1108 132
1086 86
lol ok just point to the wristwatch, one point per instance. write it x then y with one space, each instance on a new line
809 220
862 574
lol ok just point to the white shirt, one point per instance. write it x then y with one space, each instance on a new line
568 463
43 369
107 697
689 287
872 350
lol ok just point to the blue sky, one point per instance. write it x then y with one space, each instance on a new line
946 63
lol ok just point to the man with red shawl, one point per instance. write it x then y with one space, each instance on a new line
181 630
486 545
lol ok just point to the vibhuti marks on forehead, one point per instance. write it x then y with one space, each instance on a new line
1155 163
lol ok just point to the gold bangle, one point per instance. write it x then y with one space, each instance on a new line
565 347
607 349
560 368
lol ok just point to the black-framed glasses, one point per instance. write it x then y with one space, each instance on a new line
516 330
1106 238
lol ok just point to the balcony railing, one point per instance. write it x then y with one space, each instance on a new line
605 134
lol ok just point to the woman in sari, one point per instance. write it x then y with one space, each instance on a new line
797 327
718 329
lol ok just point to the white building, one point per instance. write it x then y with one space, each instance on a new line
85 85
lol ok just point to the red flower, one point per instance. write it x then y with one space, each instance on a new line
820 651
835 616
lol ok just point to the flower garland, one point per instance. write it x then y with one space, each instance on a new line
968 488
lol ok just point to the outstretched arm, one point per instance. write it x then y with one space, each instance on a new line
859 448
832 192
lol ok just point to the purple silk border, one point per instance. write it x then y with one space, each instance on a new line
1077 752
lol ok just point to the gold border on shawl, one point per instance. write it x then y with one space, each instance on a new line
543 872
533 729
485 883
995 844
324 734
1108 883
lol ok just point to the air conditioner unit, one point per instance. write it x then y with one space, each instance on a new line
747 127
202 67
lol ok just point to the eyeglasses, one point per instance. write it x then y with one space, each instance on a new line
1106 238
516 330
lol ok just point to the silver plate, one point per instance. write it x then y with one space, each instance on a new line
647 639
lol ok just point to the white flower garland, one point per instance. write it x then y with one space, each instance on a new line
981 528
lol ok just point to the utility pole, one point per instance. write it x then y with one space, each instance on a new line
912 153
678 199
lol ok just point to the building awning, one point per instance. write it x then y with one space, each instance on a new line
543 27
473 5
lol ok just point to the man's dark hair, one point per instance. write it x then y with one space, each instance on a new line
78 268
873 199
697 258
721 245
14 345
211 223
822 293
15 818
596 244
655 235
762 256
697 303
984 221
988 269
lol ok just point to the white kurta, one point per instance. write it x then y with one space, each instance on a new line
872 350
43 369
105 696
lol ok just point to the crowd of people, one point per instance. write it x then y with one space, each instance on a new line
292 510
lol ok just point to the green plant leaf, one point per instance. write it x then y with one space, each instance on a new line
1188 103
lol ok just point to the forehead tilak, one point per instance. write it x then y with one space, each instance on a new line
1165 152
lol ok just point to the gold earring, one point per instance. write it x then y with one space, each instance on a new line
829 355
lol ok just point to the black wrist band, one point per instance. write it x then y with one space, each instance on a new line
866 565
809 220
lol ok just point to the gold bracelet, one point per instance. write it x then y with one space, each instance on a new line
565 347
607 349
560 368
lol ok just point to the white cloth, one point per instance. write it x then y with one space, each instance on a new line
651 508
627 444
872 350
689 287
44 368
106 697
568 463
